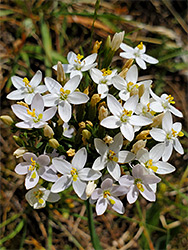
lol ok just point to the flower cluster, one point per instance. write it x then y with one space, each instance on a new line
90 129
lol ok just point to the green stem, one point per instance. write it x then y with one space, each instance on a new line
94 236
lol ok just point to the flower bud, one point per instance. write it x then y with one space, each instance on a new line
60 73
90 188
117 40
20 152
18 140
141 90
95 99
103 113
108 139
48 131
6 119
123 73
53 143
82 125
96 46
86 91
143 135
71 152
86 134
89 123
128 64
138 145
157 120
108 42
60 122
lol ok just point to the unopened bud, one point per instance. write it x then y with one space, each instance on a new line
86 134
48 131
103 113
143 135
82 124
134 91
108 139
60 73
86 91
18 140
141 90
128 64
60 122
117 40
53 143
71 152
6 119
138 145
96 46
89 123
95 99
123 73
108 42
157 120
90 188
20 152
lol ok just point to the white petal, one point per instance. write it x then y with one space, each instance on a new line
40 89
167 122
175 111
29 98
21 168
127 55
88 174
114 170
99 164
149 59
158 134
132 194
102 90
107 184
96 193
36 80
118 82
72 84
77 98
177 126
61 165
53 197
117 144
178 147
126 48
61 184
49 175
101 206
71 57
65 111
127 131
79 187
90 59
15 95
140 120
124 95
164 167
148 193
20 111
156 106
50 100
132 74
26 125
37 104
100 146
111 122
125 156
17 82
96 75
126 180
49 113
157 151
114 106
79 159
131 103
27 157
31 182
118 206
168 151
140 63
118 190
52 85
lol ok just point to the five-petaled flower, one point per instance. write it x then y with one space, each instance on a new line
26 89
35 117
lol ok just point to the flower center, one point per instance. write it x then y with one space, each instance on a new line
33 114
149 164
140 46
28 86
39 194
106 193
139 185
149 110
170 99
74 174
106 72
111 156
131 85
78 62
34 166
64 93
125 115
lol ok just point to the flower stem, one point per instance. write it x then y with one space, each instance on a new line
94 236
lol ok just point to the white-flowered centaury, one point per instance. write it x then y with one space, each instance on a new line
35 117
26 89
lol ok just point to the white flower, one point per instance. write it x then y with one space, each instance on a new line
77 64
74 173
35 117
64 96
25 89
139 182
123 117
143 107
103 78
163 104
137 53
130 84
34 167
68 130
38 196
111 156
150 160
107 195
168 135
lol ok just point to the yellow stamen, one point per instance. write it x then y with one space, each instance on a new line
38 194
149 164
96 46
112 201
140 187
127 113
74 174
23 104
64 92
41 201
79 57
106 72
26 81
140 46
33 175
170 99
106 193
112 156
33 165
180 134
32 113
174 132
75 177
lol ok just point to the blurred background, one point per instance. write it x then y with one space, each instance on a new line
35 35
